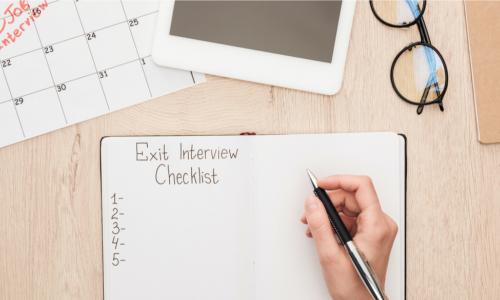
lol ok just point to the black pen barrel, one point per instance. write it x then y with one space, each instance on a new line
334 216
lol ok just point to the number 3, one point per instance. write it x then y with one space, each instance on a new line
115 226
61 88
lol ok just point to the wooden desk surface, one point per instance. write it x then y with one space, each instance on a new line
50 232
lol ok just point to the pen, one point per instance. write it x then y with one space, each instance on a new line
359 261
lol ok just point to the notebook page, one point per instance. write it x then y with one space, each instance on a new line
177 237
244 240
287 266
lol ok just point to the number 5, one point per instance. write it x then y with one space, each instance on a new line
116 260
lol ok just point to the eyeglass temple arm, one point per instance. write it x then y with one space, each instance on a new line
425 94
422 28
430 58
424 37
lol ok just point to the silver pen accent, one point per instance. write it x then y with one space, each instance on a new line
364 270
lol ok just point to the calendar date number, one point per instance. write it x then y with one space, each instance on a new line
6 63
133 22
48 49
103 74
91 36
18 101
61 88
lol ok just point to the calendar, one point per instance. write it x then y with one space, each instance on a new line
67 61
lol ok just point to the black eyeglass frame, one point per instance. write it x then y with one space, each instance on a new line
424 41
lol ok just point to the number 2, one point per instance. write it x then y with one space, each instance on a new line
19 101
6 63
133 22
48 49
91 36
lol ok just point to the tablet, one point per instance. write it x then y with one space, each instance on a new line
294 44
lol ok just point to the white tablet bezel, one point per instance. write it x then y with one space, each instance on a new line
254 65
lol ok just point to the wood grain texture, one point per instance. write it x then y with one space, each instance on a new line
50 213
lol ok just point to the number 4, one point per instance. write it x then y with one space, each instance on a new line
91 36
115 241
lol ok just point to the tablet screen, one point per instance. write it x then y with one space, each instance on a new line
304 29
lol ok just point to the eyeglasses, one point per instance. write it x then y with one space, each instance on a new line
418 73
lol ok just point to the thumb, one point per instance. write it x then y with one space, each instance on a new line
329 251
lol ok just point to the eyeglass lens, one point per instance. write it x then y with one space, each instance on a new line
398 12
419 74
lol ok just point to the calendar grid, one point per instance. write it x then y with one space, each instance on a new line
136 50
42 46
29 9
92 55
113 71
24 53
13 104
50 72
78 78
80 35
33 92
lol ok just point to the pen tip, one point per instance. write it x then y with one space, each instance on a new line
313 179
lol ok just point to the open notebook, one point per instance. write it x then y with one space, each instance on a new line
218 217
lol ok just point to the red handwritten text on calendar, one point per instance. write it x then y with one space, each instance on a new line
16 18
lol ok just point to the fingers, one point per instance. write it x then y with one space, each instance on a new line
303 219
317 219
308 233
344 202
349 221
373 231
381 230
361 186
346 205
356 196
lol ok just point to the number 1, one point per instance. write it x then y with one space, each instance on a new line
114 199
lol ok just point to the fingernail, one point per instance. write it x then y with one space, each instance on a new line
312 204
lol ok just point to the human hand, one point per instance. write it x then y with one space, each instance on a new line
372 230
